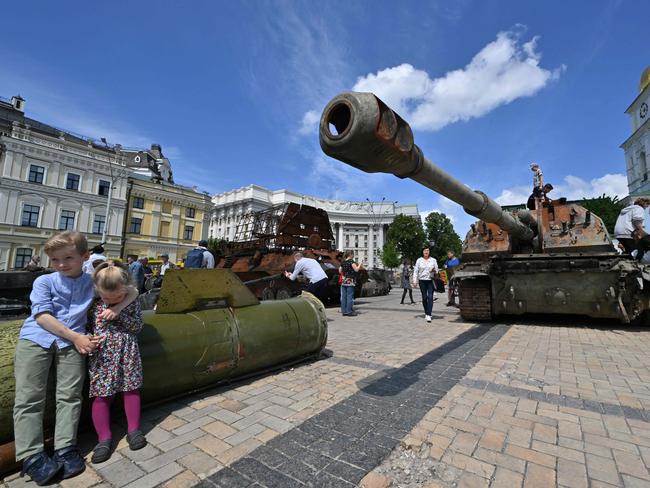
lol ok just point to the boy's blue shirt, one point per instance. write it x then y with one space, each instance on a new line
453 262
66 299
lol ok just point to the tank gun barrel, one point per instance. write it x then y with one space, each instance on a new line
362 131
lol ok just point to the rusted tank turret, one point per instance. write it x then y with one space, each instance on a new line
556 259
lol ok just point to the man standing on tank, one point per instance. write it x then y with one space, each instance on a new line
631 219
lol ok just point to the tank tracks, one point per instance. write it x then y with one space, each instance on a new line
474 299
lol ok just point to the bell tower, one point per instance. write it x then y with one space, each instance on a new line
637 146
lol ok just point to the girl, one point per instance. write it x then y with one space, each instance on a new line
116 366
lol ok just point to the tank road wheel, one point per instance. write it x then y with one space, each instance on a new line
268 293
283 294
474 299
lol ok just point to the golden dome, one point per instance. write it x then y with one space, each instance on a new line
645 79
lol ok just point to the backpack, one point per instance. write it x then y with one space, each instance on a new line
194 258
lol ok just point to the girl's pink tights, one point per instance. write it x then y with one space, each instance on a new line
101 413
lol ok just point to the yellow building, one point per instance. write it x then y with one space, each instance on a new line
163 217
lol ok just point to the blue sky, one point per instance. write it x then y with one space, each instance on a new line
231 89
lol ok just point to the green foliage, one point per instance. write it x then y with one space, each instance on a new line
407 235
606 207
217 246
442 236
390 255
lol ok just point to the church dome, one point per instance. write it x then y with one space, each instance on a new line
645 79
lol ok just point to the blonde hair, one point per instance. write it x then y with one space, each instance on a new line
65 239
112 276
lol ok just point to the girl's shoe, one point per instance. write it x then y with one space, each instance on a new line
136 440
102 452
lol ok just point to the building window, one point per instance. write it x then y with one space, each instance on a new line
98 224
167 207
104 187
23 256
189 232
30 215
138 202
72 182
164 229
190 212
36 174
136 225
66 222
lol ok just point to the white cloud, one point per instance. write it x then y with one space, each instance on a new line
573 188
504 70
309 122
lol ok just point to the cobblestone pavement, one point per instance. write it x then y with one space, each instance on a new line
401 403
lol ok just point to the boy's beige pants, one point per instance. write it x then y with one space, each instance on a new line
32 367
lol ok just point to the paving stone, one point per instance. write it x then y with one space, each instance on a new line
571 474
121 473
504 478
199 462
211 445
155 478
602 469
219 429
177 441
167 457
185 479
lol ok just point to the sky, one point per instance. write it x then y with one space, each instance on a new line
233 91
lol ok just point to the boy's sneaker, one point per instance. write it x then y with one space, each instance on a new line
136 440
41 468
73 463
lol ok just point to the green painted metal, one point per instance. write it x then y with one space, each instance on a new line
208 328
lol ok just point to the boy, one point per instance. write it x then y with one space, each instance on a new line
55 333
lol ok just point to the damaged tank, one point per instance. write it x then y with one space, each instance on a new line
208 328
264 245
556 259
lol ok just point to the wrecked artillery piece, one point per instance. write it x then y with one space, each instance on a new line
556 259
208 328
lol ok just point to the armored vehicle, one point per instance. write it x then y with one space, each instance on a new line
556 259
207 329
264 245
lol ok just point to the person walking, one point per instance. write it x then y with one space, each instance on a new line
350 271
425 268
450 266
200 257
407 271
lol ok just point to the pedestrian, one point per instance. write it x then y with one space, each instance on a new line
350 272
166 264
137 271
200 257
116 367
629 220
55 333
425 268
34 264
450 266
407 271
312 271
96 254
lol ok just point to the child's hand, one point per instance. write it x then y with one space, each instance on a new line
84 344
107 314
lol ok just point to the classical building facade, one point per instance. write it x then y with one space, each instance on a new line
164 218
357 226
637 146
52 180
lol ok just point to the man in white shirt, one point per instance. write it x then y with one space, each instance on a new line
312 271
200 257
96 254
166 264
631 219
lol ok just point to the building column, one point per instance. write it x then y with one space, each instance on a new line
339 242
380 240
371 246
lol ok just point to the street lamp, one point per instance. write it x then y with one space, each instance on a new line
110 192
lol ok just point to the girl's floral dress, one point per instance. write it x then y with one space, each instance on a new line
116 366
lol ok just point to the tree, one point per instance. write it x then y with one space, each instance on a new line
390 255
606 207
442 236
407 235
